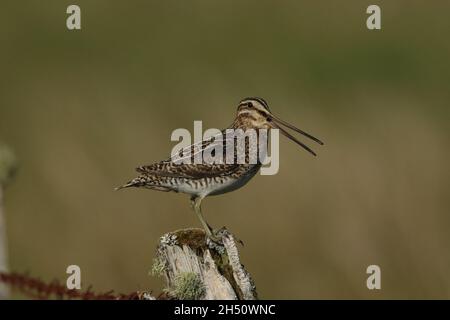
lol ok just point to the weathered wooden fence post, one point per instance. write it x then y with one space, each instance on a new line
196 268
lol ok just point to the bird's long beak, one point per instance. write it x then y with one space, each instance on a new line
277 123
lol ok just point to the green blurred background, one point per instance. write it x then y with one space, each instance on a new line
81 109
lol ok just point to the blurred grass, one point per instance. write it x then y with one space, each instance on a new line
82 109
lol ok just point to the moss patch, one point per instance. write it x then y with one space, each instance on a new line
193 238
187 286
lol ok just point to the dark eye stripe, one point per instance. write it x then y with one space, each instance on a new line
260 100
245 107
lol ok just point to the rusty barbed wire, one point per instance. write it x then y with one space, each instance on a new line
36 288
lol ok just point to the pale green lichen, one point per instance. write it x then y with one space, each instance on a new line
187 286
169 239
158 267
8 164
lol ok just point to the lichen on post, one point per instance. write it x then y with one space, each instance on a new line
196 268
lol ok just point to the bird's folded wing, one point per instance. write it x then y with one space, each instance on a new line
174 166
190 171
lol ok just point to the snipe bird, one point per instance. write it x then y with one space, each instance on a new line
202 180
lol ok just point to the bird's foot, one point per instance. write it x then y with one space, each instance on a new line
214 236
214 239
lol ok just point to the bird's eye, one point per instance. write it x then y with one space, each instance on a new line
250 105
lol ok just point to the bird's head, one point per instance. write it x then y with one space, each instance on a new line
255 113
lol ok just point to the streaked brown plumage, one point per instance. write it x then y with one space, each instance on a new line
201 180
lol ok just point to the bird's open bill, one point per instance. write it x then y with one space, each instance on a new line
277 122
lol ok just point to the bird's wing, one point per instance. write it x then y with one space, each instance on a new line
174 166
190 171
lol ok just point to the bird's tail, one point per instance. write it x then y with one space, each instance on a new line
136 182
145 183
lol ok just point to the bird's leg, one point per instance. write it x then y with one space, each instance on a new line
196 204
